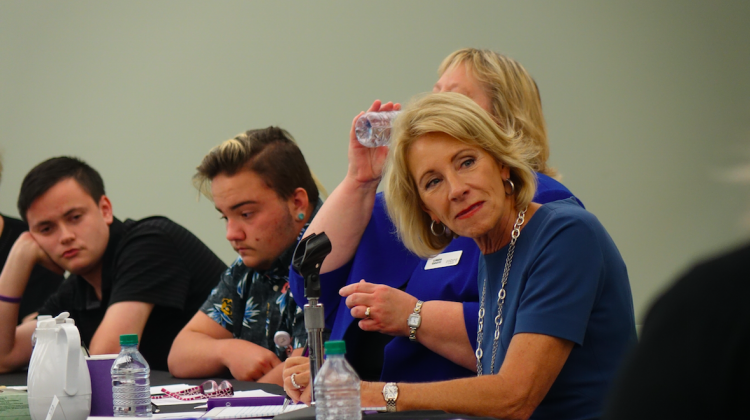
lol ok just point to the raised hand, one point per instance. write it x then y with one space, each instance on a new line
366 163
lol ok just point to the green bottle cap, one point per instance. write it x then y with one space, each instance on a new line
129 340
335 347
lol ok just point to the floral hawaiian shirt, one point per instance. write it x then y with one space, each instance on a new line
269 304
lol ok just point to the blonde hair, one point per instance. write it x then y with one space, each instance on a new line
516 103
461 118
271 153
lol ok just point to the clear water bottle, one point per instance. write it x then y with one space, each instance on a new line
131 392
337 386
373 129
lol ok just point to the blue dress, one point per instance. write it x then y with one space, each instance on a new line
382 258
567 280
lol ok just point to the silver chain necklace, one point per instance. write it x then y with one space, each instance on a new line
500 298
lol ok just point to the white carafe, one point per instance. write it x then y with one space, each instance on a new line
58 383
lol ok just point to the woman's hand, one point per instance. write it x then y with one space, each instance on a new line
299 367
389 307
366 163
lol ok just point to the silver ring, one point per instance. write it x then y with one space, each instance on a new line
367 313
294 383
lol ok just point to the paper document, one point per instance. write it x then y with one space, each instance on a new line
186 415
250 412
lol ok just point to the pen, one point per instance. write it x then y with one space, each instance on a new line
288 400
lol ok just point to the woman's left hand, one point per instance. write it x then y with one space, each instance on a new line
389 308
299 367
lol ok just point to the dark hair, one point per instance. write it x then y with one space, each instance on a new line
270 152
48 173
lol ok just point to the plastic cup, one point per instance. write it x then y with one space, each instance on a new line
101 383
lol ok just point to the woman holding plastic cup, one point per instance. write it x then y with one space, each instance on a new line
356 221
555 306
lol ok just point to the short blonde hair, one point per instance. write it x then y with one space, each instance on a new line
516 103
461 118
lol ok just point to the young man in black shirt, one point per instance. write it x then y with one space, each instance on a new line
144 277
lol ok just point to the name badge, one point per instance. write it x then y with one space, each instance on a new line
447 259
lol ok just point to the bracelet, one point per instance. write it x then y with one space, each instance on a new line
208 389
9 299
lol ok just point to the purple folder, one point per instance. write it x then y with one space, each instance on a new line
243 401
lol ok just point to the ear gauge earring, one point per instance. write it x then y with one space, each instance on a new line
301 216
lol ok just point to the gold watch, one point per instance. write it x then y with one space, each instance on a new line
390 393
414 321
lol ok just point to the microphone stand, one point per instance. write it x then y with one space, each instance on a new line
308 257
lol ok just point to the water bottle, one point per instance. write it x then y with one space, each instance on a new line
337 386
373 129
131 393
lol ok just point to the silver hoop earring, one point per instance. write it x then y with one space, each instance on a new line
432 229
512 187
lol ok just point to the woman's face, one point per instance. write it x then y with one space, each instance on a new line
459 185
460 80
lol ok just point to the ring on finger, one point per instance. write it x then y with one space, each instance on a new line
367 313
294 382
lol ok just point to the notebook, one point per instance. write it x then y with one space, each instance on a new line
250 412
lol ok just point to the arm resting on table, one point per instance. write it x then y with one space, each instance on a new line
530 368
204 348
120 318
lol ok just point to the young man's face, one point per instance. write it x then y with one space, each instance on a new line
71 227
260 225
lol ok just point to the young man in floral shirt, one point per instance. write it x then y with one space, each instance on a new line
260 183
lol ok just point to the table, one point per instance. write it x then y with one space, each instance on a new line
160 378
165 378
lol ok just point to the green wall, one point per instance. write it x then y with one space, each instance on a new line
647 102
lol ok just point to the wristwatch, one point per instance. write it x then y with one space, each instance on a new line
414 321
390 393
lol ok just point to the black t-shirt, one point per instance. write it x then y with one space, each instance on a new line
152 260
693 358
42 282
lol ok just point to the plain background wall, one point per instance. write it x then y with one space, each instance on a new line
647 102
